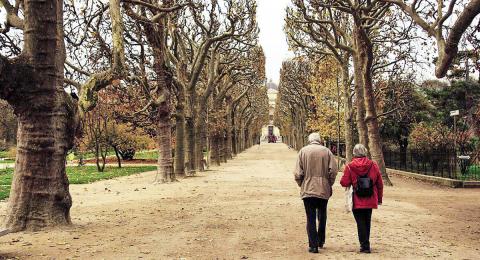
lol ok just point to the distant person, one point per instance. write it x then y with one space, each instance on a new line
365 177
315 173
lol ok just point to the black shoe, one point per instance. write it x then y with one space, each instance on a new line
365 250
313 250
320 246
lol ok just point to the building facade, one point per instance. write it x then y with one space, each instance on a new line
271 129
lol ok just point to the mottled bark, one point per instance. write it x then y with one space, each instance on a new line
365 59
164 135
229 131
241 138
164 81
217 135
359 100
234 134
234 141
180 139
47 116
39 196
223 146
348 113
216 149
201 140
190 124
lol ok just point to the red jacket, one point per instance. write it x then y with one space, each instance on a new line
350 175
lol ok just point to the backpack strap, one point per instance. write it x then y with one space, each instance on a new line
367 170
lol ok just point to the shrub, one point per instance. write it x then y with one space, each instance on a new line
12 152
3 145
430 136
127 141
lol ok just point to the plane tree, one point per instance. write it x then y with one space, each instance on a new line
32 83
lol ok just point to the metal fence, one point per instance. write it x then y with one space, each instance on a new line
443 163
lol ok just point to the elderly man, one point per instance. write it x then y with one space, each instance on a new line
315 173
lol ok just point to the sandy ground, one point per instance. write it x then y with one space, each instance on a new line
249 209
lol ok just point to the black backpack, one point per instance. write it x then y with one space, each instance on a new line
364 188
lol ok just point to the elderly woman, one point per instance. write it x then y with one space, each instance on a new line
365 177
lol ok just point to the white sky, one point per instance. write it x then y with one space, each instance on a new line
270 16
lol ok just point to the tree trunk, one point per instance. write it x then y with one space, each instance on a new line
97 156
190 123
216 148
360 102
117 154
223 146
234 134
39 195
348 111
180 139
229 141
164 82
234 141
365 57
103 154
201 140
242 137
164 132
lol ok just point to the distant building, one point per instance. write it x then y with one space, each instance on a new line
270 129
272 98
272 85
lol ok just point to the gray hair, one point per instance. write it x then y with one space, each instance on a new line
360 151
314 137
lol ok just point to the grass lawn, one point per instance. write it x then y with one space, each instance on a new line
6 161
474 169
77 175
146 155
3 154
472 175
152 154
87 155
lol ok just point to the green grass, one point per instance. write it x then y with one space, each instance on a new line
146 155
4 191
152 154
473 174
89 174
7 161
77 175
3 154
87 155
474 169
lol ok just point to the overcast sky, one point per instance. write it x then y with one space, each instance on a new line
270 15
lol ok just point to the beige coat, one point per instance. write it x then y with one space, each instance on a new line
316 171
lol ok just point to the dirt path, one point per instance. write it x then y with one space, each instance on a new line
249 208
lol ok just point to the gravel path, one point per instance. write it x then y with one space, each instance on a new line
249 209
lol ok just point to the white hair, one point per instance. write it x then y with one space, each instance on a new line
314 137
360 151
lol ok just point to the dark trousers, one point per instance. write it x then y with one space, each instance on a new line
316 208
363 217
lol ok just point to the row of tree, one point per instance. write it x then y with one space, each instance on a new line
188 72
372 44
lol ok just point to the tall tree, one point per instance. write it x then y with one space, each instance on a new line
432 16
33 84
